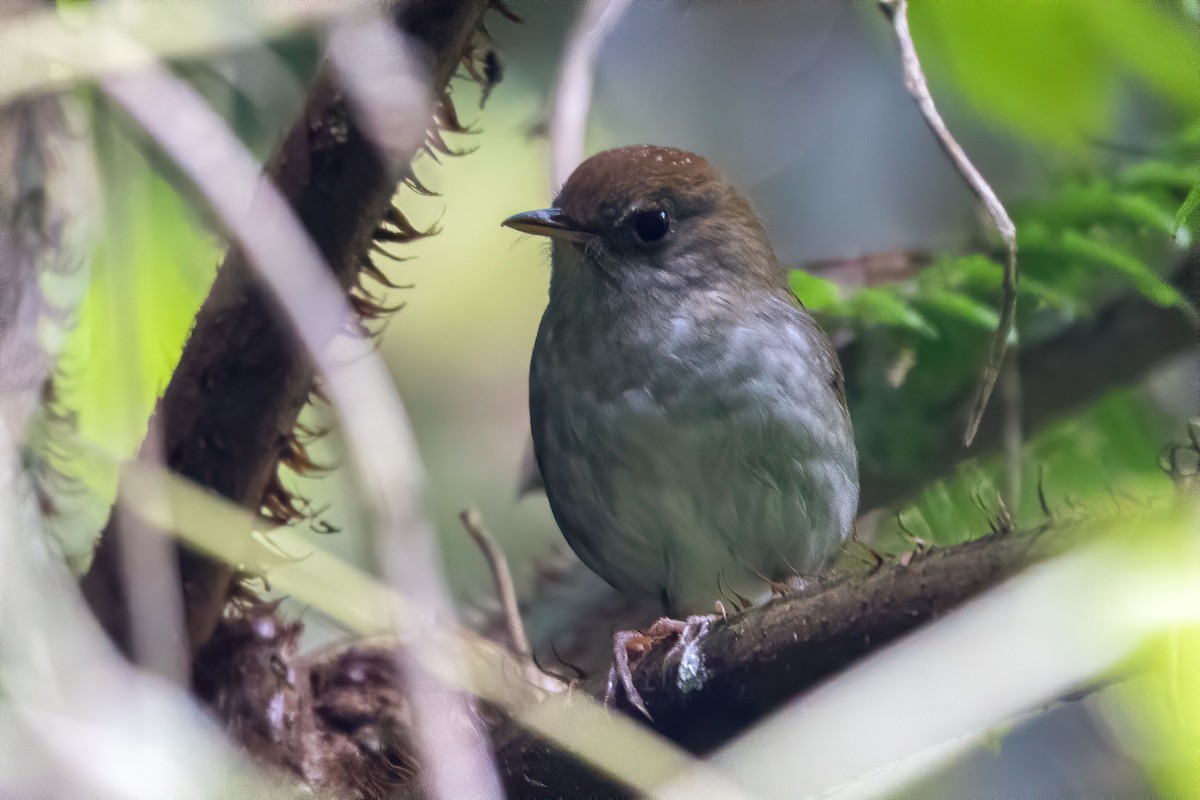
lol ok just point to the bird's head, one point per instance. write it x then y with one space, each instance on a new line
642 216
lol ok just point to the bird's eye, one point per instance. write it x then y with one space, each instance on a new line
650 226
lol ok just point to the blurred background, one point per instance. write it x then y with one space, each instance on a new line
1083 116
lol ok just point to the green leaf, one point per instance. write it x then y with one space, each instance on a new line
1045 293
817 294
152 263
962 307
1144 279
1161 173
1098 201
978 274
882 306
1050 71
1187 220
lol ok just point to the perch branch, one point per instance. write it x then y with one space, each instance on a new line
757 661
914 81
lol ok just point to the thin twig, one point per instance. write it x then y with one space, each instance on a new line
914 81
472 520
573 90
870 269
1012 435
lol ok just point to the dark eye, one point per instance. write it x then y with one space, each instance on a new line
650 226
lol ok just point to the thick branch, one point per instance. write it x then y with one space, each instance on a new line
348 719
755 662
241 382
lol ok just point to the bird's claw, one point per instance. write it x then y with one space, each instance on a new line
630 647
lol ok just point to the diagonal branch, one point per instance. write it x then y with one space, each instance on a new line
231 406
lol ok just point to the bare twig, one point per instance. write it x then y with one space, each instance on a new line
573 91
473 522
1012 435
914 81
871 269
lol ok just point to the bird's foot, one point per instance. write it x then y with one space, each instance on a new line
630 647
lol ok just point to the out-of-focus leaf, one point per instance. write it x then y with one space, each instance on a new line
1149 41
1160 173
882 306
978 274
1045 293
1048 71
1167 701
962 307
50 49
1187 218
1143 278
152 264
1098 201
817 294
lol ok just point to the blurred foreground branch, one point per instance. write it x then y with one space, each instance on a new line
230 409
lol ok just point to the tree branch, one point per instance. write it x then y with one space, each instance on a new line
755 662
348 718
229 411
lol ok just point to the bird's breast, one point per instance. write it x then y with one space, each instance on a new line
684 448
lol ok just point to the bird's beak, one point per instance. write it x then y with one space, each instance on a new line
547 222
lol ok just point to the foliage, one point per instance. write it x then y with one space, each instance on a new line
1048 72
1074 246
920 342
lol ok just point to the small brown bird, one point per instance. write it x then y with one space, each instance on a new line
689 418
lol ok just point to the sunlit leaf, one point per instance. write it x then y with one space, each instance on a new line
882 306
1050 71
1139 274
817 294
1187 218
152 265
962 307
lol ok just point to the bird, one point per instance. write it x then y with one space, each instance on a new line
688 413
